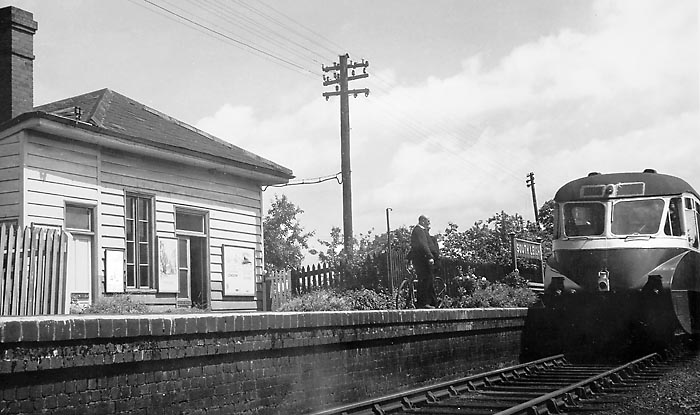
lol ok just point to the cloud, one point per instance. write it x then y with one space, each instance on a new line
622 96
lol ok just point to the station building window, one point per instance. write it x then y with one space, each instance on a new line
139 241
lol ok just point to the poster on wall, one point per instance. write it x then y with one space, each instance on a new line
114 270
167 265
239 271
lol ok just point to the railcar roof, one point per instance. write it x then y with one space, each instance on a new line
656 184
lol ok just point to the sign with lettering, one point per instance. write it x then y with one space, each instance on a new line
528 249
239 271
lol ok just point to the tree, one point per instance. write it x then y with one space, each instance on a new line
364 245
283 236
488 242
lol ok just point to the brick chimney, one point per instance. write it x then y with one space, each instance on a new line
17 28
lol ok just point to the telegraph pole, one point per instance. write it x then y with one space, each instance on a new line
531 184
341 79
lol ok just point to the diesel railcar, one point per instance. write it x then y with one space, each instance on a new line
627 245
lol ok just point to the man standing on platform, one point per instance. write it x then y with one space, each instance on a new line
423 260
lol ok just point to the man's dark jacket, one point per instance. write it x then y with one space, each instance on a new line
420 247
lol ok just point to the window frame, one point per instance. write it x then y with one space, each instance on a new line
82 231
150 241
190 211
660 222
565 217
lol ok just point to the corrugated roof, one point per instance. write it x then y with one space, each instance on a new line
117 113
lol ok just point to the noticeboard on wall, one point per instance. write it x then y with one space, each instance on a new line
114 270
167 265
239 271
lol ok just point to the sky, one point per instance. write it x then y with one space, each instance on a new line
467 97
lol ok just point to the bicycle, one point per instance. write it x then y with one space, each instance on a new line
406 293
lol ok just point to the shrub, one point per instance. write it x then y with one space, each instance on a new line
497 295
515 280
114 304
365 299
333 300
317 300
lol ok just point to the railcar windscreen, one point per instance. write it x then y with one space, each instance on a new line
584 219
637 217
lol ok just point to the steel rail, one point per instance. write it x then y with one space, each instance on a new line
532 406
432 393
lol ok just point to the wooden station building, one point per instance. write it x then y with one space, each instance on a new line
154 207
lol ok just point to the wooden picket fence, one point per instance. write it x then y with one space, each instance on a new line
277 288
322 275
32 271
375 272
280 286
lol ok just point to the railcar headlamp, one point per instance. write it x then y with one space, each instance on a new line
603 281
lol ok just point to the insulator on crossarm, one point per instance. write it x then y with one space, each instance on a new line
353 72
366 93
364 70
337 88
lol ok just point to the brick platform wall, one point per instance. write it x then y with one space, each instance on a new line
265 363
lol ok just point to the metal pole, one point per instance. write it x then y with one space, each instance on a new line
513 252
388 252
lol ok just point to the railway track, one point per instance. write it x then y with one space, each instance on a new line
551 385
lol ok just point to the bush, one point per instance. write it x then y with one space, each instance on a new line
497 295
515 280
317 300
332 300
115 304
365 299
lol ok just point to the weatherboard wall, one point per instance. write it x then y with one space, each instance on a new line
59 170
10 181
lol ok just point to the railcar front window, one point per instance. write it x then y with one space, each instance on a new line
637 217
584 219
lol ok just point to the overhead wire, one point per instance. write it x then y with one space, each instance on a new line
239 20
459 137
307 29
316 180
232 39
472 135
287 38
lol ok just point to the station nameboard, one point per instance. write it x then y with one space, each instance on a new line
528 249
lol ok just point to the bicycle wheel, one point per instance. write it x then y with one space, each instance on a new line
440 292
404 296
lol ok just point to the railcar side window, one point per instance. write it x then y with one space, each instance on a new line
673 218
690 218
584 219
641 216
